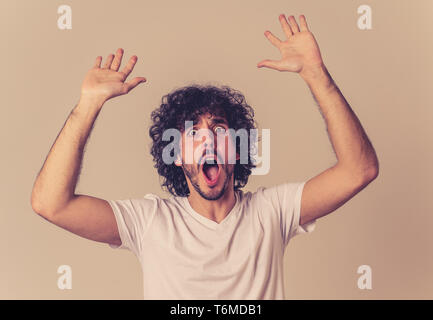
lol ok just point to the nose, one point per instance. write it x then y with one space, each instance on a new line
209 143
208 138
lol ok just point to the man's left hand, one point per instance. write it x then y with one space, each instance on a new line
300 52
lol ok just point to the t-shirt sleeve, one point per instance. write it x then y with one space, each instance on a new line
286 199
133 217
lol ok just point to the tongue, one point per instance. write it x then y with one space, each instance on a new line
211 172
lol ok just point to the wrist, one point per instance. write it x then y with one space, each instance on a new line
88 106
317 75
91 101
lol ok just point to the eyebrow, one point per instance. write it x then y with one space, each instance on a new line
213 121
216 120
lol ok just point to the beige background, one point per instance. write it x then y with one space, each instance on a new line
385 74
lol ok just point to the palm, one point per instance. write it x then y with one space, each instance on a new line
104 82
298 53
299 50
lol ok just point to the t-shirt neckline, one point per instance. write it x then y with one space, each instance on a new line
208 222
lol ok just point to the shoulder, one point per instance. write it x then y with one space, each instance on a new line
171 207
277 196
149 203
163 203
258 200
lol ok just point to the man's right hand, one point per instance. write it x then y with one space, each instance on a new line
102 84
53 195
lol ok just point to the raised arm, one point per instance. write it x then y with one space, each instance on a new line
357 164
53 195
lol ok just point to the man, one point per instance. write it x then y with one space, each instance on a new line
209 240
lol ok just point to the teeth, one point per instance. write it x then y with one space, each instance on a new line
209 161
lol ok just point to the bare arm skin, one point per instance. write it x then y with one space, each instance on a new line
53 195
357 164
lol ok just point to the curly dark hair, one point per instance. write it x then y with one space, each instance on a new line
188 103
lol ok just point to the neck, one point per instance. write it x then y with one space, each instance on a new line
215 210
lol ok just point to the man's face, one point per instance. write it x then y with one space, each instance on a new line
208 155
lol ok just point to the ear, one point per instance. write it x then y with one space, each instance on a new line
178 162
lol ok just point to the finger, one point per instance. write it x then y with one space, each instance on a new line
128 86
108 61
273 39
293 24
303 23
117 60
285 25
97 62
273 64
128 68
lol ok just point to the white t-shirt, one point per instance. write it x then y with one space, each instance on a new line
185 255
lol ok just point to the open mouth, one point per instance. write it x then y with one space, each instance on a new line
211 171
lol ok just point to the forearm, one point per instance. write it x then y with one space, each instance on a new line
352 147
56 182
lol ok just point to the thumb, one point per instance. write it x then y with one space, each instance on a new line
273 64
128 86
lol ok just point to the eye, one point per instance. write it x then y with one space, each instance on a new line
220 129
192 132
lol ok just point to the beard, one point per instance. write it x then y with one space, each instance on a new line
193 174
